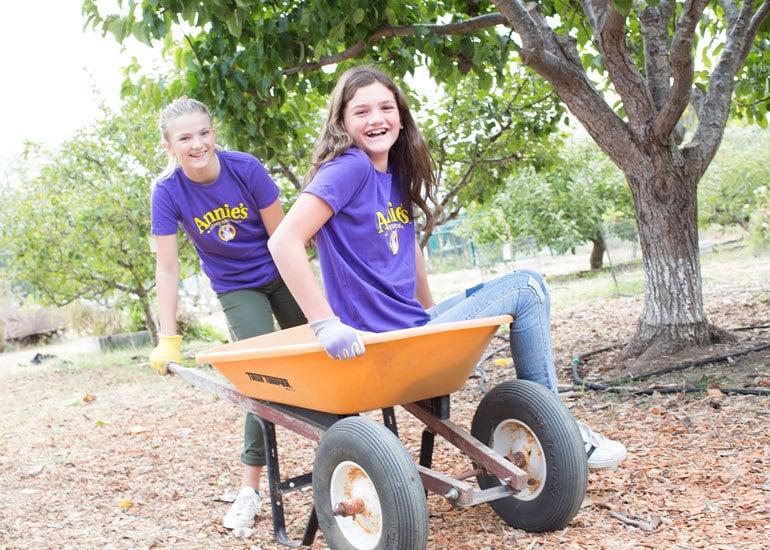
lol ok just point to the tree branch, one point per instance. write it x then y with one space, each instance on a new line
715 108
502 160
459 27
588 9
756 21
731 12
464 181
284 170
628 81
573 86
657 67
194 51
753 103
682 66
697 98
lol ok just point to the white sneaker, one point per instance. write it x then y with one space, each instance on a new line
246 507
602 452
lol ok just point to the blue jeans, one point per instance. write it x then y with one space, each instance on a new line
523 295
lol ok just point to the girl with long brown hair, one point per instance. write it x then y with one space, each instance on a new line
371 168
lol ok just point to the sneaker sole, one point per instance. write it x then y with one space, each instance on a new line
606 465
237 525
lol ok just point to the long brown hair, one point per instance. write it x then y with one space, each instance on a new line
409 156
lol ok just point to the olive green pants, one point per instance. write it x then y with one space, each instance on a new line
250 313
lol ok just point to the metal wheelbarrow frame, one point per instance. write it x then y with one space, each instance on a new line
525 448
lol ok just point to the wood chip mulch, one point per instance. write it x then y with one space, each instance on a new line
118 457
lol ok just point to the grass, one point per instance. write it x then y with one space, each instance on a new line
570 293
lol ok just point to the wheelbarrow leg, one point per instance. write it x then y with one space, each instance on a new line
276 493
438 406
426 448
389 419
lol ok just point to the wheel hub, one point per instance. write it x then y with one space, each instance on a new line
518 443
356 505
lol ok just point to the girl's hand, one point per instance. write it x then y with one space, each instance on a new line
338 339
167 351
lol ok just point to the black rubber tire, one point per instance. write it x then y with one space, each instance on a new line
567 470
384 459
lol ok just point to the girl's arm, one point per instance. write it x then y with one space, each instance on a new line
287 245
167 282
167 286
423 293
271 216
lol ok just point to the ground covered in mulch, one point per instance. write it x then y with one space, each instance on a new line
117 457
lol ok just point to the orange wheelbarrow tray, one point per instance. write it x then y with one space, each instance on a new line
401 366
525 450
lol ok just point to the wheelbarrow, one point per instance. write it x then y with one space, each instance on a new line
525 449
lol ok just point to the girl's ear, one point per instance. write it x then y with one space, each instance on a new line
167 147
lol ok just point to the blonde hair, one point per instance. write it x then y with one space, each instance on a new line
409 156
179 107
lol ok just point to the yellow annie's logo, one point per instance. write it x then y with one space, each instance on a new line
224 212
399 214
226 232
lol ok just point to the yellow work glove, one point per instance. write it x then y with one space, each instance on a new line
167 351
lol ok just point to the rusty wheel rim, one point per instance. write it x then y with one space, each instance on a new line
516 442
356 505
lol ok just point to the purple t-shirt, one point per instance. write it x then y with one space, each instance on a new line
222 220
366 248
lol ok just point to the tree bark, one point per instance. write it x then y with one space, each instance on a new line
673 317
597 252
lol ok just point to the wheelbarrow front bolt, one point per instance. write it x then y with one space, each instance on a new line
452 494
348 508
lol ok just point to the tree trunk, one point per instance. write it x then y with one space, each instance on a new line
673 317
597 252
149 320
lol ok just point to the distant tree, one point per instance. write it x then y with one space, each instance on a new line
566 205
737 183
480 137
79 225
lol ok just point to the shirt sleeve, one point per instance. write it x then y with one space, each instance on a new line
337 181
163 215
262 186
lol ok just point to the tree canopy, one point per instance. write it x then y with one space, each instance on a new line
79 226
479 138
626 70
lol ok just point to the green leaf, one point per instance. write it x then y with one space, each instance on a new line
234 23
358 16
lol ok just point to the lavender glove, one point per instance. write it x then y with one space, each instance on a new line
338 339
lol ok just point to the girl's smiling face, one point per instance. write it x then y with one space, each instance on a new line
191 139
372 119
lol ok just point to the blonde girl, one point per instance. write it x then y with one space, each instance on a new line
227 204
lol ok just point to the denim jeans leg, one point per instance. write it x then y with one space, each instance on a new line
523 295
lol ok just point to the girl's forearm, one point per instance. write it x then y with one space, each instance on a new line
167 287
